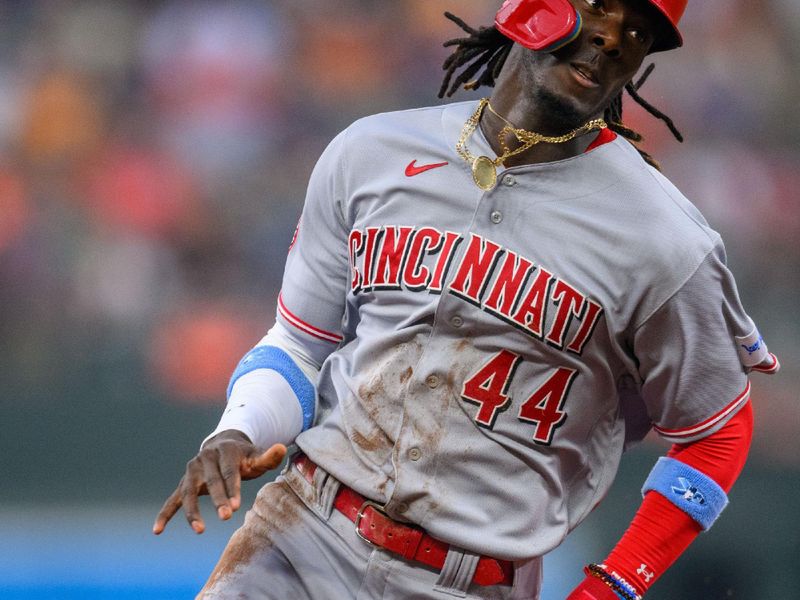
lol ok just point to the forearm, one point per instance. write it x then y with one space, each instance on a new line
271 395
263 406
660 532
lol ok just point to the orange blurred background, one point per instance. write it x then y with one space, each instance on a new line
153 161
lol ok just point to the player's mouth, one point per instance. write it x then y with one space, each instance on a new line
584 75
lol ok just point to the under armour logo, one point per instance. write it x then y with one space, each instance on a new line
688 491
648 575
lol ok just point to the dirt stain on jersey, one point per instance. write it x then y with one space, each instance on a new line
242 547
450 382
429 436
381 411
380 399
377 440
303 489
371 390
395 365
281 508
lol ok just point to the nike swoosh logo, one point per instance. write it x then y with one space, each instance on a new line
412 169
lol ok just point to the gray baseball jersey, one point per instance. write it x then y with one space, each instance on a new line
490 354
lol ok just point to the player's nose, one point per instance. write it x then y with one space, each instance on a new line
608 43
606 36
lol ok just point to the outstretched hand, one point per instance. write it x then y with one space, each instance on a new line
218 470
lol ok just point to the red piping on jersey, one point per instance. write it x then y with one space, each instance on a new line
605 136
709 422
773 368
316 332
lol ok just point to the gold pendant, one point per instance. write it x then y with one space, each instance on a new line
484 173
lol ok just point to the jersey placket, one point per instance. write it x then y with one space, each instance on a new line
438 377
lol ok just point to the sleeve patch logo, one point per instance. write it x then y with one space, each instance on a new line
752 349
688 492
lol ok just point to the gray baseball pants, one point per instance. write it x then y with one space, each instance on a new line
295 546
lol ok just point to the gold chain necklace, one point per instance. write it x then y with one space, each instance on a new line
484 169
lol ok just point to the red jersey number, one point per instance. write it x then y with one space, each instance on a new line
488 388
545 406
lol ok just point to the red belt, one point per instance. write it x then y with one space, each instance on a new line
412 543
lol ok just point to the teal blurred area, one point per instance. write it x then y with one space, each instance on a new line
153 161
106 551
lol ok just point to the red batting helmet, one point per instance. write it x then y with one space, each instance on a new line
547 25
673 11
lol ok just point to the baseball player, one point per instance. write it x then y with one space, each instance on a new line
484 304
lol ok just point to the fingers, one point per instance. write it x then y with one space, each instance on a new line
231 478
193 487
185 495
255 466
168 510
218 471
216 486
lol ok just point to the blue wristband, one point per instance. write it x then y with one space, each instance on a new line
270 357
693 492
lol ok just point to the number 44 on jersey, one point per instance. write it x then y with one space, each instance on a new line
488 388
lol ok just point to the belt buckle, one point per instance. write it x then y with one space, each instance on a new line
360 515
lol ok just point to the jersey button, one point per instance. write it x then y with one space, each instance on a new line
456 321
402 508
496 217
509 180
432 381
415 454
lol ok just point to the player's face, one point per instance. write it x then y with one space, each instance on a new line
578 81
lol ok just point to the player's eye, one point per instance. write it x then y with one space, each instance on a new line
639 35
595 4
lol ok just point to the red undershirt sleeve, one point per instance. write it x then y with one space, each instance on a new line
660 532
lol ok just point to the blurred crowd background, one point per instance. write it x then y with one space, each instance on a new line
153 162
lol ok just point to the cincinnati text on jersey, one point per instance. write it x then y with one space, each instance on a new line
497 280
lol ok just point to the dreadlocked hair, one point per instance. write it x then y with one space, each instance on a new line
481 57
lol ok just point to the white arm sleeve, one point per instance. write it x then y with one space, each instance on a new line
309 315
264 408
262 404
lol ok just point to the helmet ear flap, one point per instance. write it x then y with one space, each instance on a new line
543 25
547 25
